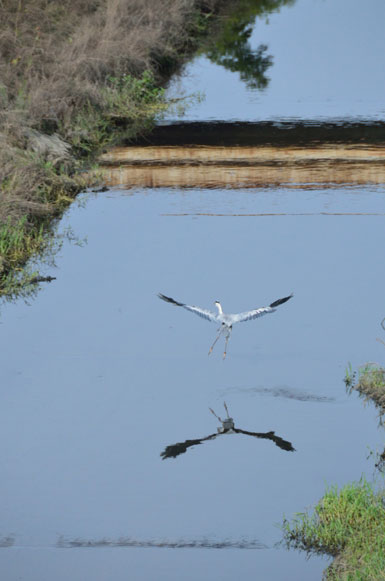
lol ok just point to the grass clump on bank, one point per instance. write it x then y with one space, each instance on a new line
369 381
371 384
348 524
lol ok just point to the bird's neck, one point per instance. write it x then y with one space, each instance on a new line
219 307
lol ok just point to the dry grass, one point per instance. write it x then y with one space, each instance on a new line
55 56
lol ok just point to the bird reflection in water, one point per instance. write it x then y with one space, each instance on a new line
227 427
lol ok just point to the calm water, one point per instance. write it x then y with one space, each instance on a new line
328 61
99 375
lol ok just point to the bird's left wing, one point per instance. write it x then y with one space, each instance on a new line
255 313
204 313
175 450
248 315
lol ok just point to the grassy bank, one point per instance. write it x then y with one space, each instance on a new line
348 524
74 77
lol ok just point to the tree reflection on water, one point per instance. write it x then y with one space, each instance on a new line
231 48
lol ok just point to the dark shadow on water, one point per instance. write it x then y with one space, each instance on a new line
161 544
8 541
227 427
284 392
275 133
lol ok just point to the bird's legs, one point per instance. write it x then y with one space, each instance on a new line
227 424
213 412
220 331
226 341
223 329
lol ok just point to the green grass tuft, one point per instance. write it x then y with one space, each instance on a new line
348 523
370 384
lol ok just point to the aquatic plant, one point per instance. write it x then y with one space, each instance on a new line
349 378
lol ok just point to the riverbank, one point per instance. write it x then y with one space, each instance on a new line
76 77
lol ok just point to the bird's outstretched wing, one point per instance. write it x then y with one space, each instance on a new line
174 450
280 442
204 313
281 301
255 313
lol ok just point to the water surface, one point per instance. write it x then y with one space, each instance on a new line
100 376
328 61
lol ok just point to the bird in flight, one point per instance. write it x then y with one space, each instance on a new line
227 427
226 321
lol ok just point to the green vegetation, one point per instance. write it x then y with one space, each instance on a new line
17 241
134 103
350 376
371 384
369 381
348 524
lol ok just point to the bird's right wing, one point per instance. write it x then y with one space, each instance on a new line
278 441
204 313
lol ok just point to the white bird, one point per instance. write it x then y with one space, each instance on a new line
226 320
